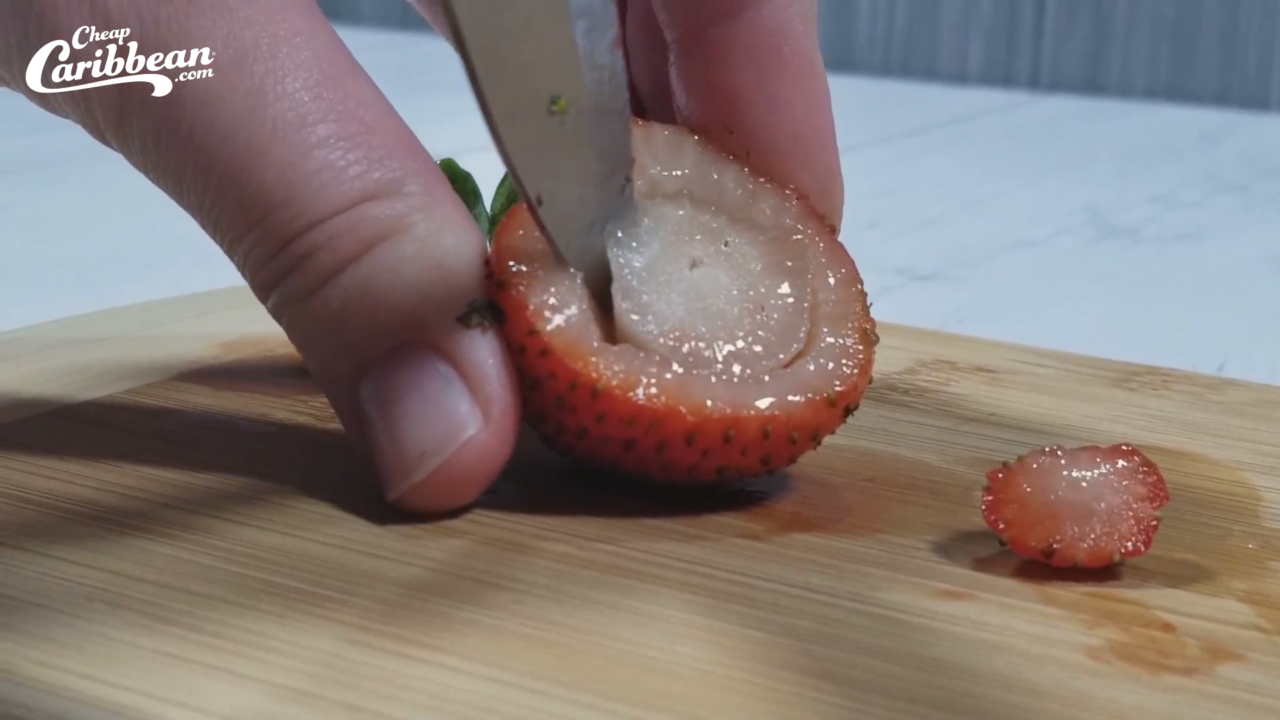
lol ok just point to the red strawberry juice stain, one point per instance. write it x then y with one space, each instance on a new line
862 494
1130 633
1218 516
805 505
1214 542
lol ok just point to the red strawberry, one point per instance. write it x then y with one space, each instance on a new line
740 335
1085 507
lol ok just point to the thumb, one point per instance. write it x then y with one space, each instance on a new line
342 224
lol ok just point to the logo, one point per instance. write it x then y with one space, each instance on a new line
111 62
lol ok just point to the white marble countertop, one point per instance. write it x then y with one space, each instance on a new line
1147 233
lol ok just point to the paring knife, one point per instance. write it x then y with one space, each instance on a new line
551 80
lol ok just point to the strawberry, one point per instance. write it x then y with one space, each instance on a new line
1085 507
739 338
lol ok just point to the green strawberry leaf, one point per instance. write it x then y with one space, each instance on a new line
464 184
504 198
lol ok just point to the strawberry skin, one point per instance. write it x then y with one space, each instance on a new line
1085 507
607 404
582 411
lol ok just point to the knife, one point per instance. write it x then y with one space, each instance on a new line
551 80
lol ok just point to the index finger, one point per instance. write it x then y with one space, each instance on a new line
748 75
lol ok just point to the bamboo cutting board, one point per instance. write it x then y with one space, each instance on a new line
193 539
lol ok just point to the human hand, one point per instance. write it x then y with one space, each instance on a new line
347 231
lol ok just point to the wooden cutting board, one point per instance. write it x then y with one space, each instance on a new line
206 545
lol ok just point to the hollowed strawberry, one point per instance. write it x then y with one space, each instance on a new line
740 335
1085 507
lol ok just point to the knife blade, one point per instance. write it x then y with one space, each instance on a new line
551 81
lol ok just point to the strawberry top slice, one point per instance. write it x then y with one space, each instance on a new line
1086 507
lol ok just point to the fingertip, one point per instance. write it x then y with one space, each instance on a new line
648 62
478 431
466 475
749 75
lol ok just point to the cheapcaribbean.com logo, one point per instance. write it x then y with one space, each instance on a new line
109 62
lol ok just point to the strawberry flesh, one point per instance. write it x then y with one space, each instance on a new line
1084 507
740 335
713 274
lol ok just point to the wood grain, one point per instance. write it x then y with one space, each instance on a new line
208 546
